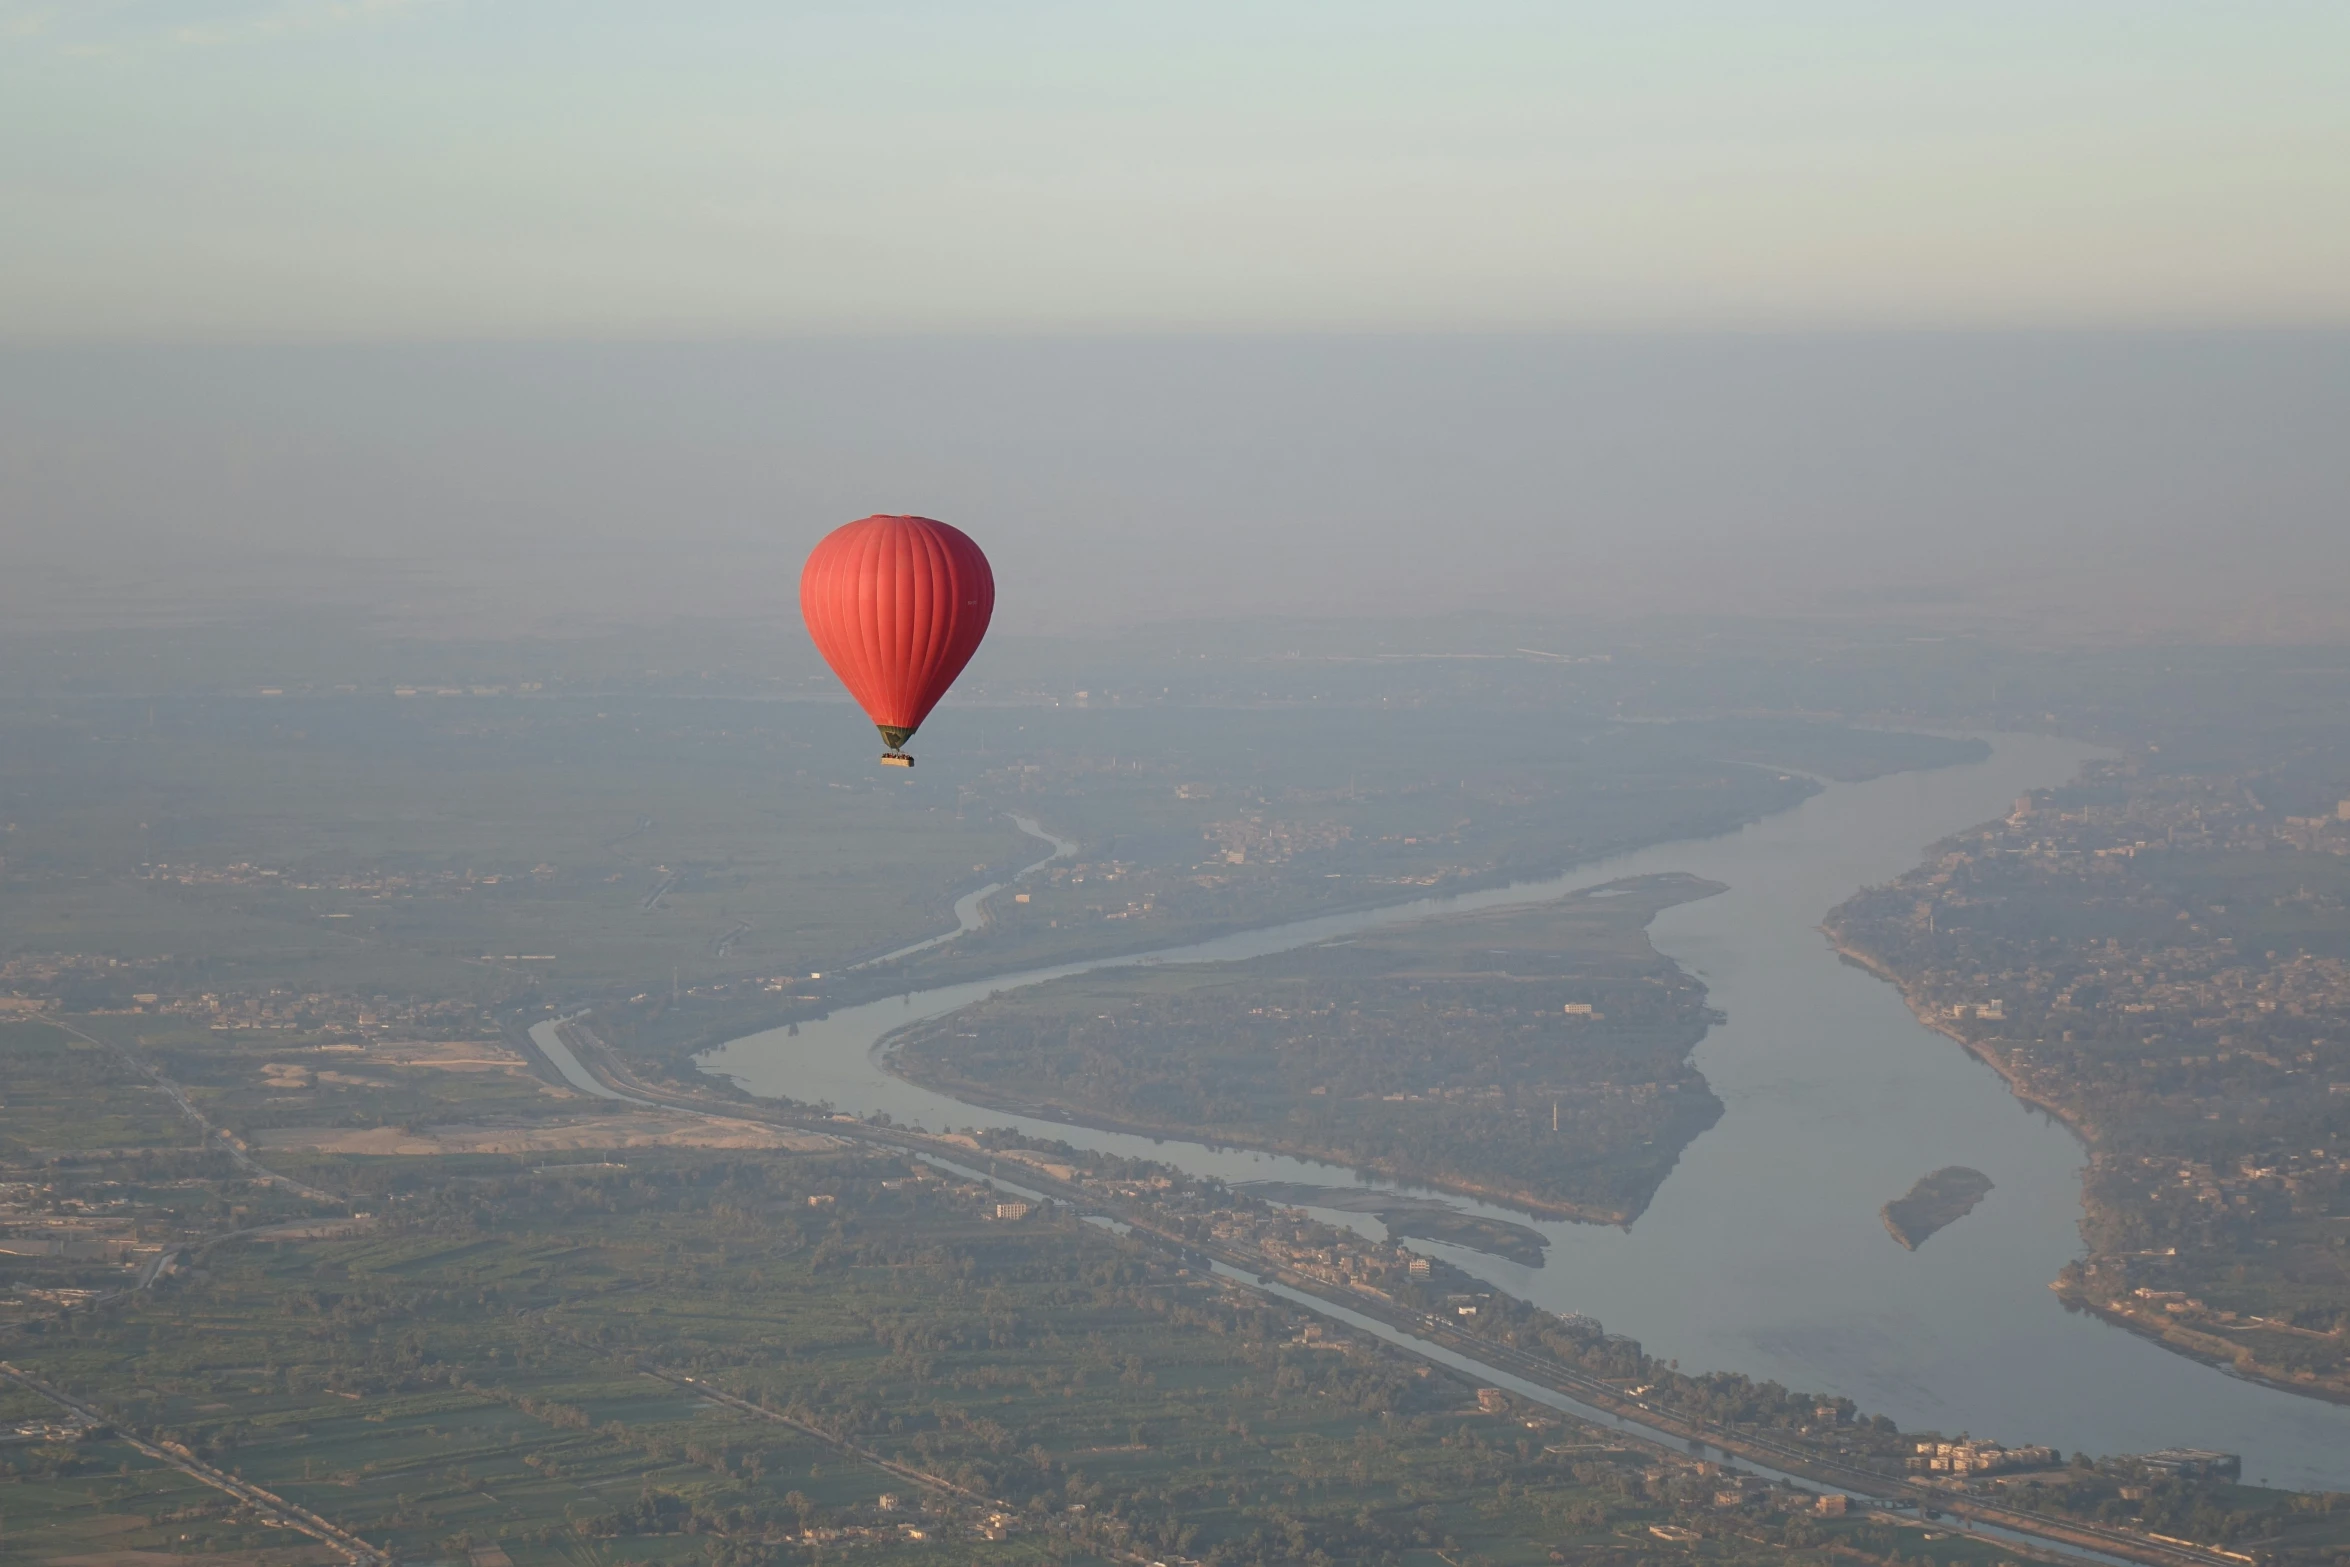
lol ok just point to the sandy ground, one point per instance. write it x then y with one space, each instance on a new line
282 1556
1036 1161
477 1055
644 1129
465 1055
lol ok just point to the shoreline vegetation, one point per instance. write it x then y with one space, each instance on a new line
1930 1018
1406 1215
1067 1115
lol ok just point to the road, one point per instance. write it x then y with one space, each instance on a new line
661 889
840 1444
913 1476
292 1514
211 1134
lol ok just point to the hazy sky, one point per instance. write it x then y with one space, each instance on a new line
460 168
2094 484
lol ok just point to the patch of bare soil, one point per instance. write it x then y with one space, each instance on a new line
646 1129
283 1556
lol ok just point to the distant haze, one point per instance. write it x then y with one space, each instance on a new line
2092 485
1287 307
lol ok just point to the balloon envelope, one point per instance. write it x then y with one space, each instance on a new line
897 606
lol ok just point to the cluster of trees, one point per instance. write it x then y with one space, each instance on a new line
659 1512
1726 1398
2215 1511
48 1461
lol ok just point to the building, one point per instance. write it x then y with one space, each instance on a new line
1492 1400
1965 1458
1011 1210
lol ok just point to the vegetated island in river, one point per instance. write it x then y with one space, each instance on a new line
1536 1058
1934 1203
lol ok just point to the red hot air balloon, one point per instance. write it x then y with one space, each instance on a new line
897 606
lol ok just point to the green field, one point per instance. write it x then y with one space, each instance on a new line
59 1094
475 1374
91 1498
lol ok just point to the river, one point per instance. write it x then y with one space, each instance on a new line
971 907
1763 1252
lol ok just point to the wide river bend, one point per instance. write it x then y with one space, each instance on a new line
1763 1252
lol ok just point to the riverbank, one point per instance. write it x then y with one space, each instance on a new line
1859 958
982 1097
2210 1349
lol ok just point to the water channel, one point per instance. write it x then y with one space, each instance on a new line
1763 1252
971 907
